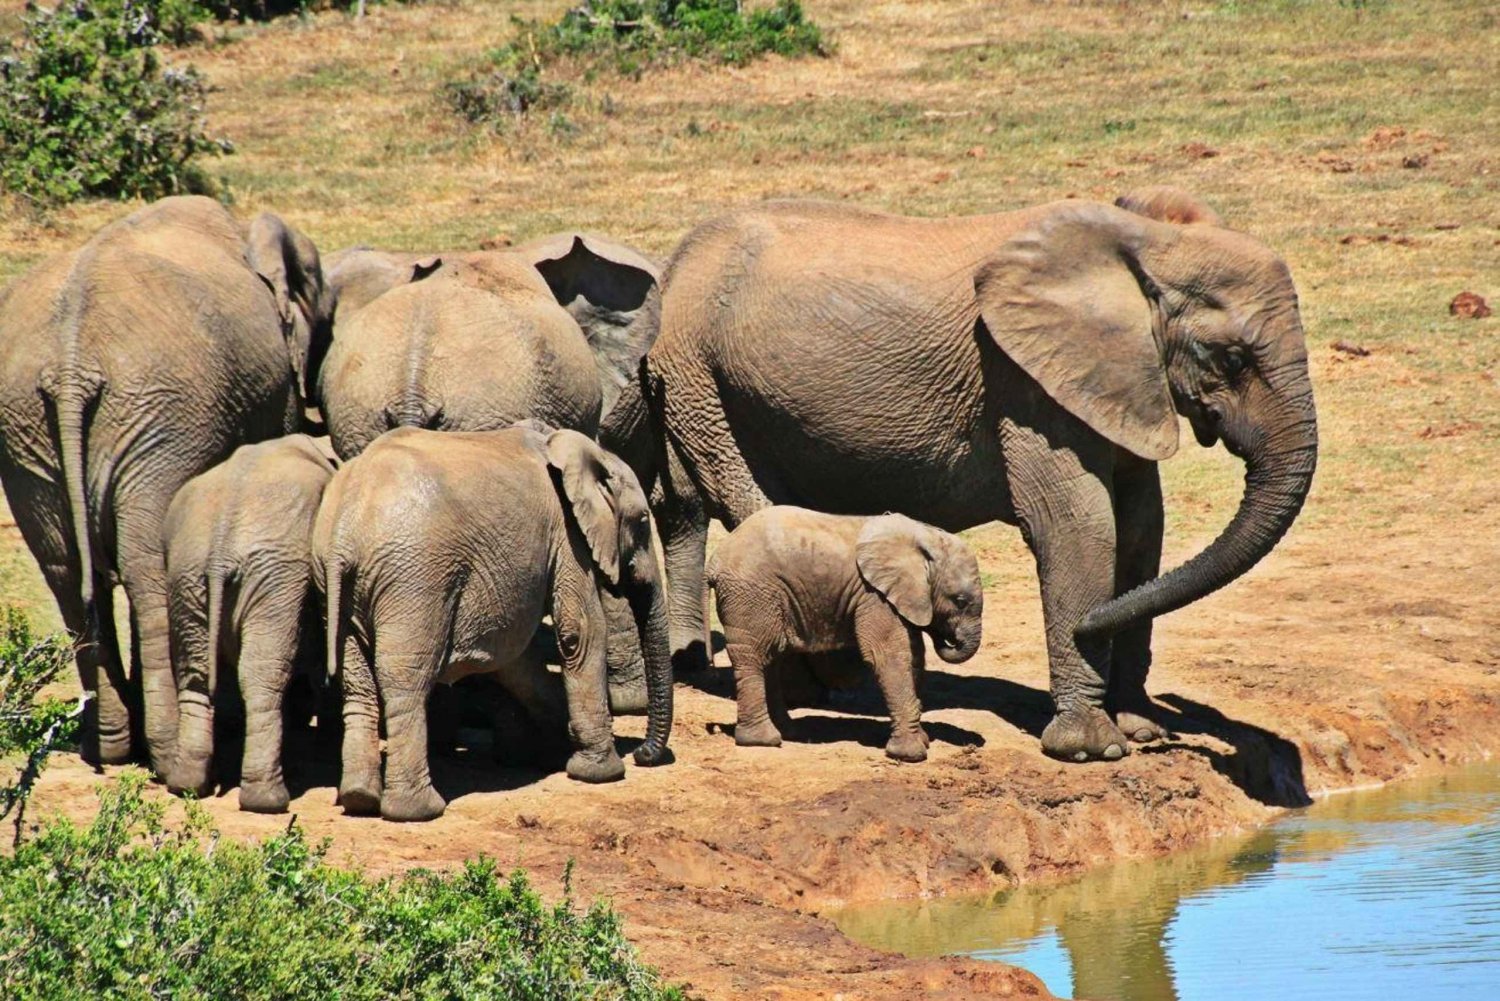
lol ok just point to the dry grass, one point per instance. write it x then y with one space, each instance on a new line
961 107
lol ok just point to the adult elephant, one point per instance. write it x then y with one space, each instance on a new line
126 368
475 340
1027 367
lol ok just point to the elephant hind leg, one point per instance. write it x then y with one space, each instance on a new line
410 650
101 670
268 652
144 575
360 784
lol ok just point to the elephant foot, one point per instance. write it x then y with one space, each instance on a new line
96 750
418 804
911 747
264 797
596 768
193 780
628 698
1139 727
762 734
360 796
1084 735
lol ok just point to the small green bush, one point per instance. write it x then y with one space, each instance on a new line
88 109
125 908
30 728
626 37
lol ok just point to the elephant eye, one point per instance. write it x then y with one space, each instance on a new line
961 601
1234 362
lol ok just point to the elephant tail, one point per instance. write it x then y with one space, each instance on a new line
711 570
333 583
215 583
73 395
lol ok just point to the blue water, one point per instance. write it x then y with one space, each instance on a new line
1387 894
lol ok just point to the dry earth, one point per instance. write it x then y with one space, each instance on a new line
1364 649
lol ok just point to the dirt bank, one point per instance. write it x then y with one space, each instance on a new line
1316 673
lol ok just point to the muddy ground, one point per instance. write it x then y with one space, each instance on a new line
1318 672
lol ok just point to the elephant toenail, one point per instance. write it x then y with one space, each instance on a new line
1114 752
1081 756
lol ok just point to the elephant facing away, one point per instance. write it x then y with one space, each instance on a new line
238 540
789 580
1027 367
476 340
127 367
439 554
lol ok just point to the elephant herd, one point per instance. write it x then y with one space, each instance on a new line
841 388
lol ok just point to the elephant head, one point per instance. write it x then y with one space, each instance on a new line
609 508
929 577
603 285
288 263
1127 321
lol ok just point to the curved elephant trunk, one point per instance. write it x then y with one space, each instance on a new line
1278 474
649 606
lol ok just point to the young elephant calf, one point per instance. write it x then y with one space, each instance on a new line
789 580
238 544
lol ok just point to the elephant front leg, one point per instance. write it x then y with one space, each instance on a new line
895 652
1138 531
1060 490
581 643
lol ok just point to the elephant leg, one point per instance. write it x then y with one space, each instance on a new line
581 643
683 524
895 652
194 659
143 573
627 664
752 660
409 654
1138 534
360 785
268 653
1060 488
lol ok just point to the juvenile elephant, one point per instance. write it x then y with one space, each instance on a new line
126 368
474 341
1027 367
789 580
440 553
238 541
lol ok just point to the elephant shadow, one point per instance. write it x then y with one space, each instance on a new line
1264 765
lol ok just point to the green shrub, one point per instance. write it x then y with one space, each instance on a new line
30 730
125 908
88 109
627 37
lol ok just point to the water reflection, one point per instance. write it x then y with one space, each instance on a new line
1364 895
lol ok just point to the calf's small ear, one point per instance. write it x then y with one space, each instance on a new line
893 561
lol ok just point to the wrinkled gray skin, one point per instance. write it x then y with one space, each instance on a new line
127 367
476 340
440 553
238 542
1027 367
790 580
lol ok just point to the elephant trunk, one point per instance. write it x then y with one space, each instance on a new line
1279 470
649 606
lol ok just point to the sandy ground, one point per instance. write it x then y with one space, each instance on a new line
1316 673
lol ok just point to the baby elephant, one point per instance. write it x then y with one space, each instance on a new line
789 581
238 544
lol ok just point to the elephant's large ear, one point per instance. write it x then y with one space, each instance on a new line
603 285
1168 203
893 560
584 471
1064 300
288 263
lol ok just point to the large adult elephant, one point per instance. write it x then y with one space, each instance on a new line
475 340
1027 367
126 368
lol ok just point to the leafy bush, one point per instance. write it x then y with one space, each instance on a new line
88 109
124 908
627 36
29 730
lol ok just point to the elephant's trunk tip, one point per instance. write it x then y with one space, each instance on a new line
653 753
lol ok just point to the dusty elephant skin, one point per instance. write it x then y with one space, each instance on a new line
126 368
439 553
238 542
790 581
1026 367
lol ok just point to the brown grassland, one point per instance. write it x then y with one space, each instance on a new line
1358 139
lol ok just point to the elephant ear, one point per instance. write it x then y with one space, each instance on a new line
1064 301
894 561
603 285
288 263
584 473
1168 203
